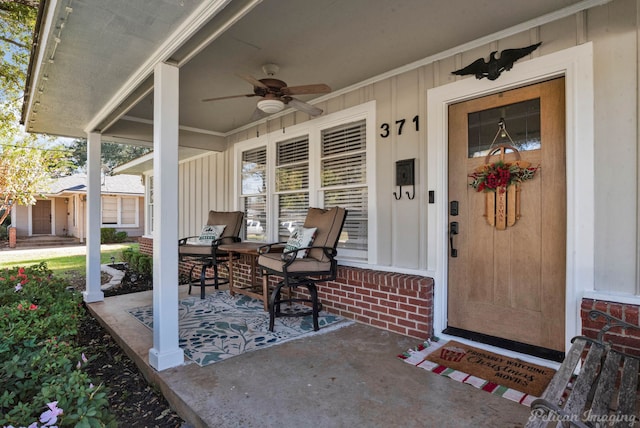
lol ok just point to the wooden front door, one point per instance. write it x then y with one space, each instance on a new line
41 218
508 283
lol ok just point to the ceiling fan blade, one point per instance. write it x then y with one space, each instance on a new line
227 97
304 107
255 82
318 88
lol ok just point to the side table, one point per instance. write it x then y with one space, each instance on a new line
257 290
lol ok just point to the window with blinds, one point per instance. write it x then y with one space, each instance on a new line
128 211
120 211
292 184
255 212
109 210
343 167
327 167
254 187
254 171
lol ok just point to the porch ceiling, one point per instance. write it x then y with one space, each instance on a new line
96 53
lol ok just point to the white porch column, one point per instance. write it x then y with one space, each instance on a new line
93 291
165 352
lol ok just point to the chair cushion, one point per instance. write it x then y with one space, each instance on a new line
194 250
233 220
329 223
199 250
301 237
210 233
272 261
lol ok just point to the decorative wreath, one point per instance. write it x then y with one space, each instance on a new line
499 175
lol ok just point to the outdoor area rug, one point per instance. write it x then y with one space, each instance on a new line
222 326
510 378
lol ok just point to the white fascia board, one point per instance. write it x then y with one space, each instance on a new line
41 48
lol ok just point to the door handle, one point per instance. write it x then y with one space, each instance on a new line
453 230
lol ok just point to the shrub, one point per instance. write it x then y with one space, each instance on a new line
40 364
139 263
133 262
107 235
127 253
145 265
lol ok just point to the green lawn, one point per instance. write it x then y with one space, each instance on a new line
63 264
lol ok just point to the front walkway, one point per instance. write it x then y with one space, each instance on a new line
347 377
38 252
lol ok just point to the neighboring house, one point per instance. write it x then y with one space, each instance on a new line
420 258
63 210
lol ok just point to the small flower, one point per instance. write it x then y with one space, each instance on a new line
33 307
50 416
19 306
18 287
83 359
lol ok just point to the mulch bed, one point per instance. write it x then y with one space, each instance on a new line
133 401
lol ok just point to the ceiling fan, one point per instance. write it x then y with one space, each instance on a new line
275 94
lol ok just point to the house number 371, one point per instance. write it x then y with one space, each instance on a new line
386 128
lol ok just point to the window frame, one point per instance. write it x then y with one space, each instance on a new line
119 223
313 130
260 194
149 202
278 193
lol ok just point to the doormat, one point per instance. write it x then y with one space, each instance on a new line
223 326
510 378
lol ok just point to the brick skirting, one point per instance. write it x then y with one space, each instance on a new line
629 341
391 301
146 245
388 300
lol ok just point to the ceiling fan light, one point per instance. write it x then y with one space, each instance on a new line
270 106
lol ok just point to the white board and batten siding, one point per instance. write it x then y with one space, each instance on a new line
401 230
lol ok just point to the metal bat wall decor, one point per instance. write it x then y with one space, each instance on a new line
495 66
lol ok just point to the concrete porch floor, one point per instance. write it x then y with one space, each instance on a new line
350 377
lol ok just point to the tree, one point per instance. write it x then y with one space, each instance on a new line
27 161
16 37
113 154
25 172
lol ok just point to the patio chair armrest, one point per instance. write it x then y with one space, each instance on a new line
290 256
266 248
330 252
225 240
183 241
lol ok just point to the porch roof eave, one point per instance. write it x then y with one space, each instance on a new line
144 163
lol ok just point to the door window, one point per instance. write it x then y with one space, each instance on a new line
521 122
